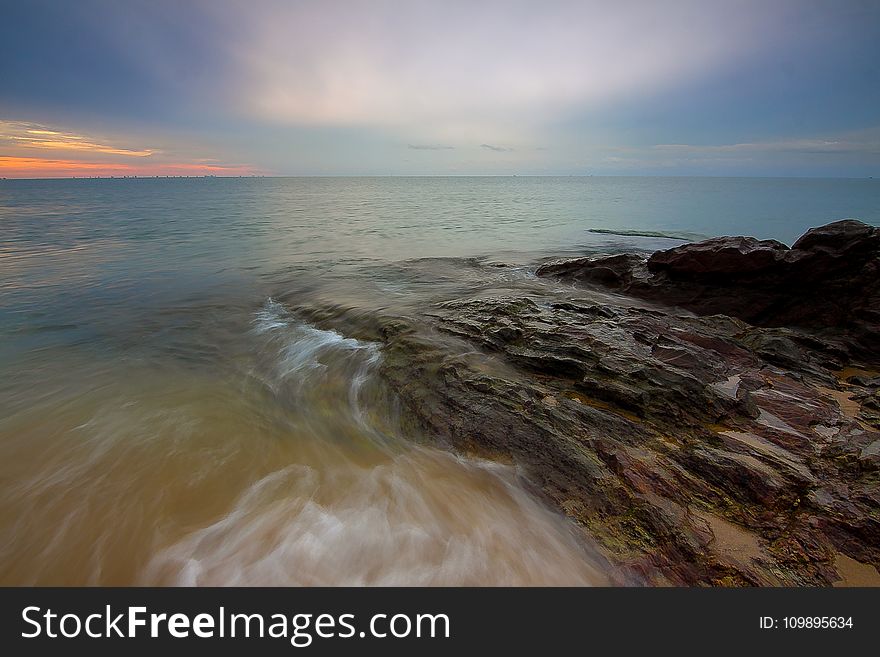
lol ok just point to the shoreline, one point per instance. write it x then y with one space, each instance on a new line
693 448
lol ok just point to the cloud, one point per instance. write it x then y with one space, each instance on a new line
851 152
394 64
34 150
345 86
33 135
807 146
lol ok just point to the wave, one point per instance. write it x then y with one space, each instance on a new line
314 368
290 467
648 233
304 344
421 518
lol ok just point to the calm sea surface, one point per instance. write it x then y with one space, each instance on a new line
165 419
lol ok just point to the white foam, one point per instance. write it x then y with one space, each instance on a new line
303 344
423 518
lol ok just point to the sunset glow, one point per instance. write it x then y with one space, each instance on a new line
32 167
498 87
19 139
31 135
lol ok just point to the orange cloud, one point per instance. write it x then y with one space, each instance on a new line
68 154
54 144
32 135
33 167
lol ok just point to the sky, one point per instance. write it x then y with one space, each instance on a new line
410 87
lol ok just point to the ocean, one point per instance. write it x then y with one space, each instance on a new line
167 417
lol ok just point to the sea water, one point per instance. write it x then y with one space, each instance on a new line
165 419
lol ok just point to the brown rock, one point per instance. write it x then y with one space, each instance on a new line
721 256
829 281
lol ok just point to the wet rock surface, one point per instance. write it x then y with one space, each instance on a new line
697 450
829 280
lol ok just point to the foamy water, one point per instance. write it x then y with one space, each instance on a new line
287 471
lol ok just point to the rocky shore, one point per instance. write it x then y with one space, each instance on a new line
709 414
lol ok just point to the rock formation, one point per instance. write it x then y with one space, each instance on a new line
829 280
737 447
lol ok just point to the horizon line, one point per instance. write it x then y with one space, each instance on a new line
446 175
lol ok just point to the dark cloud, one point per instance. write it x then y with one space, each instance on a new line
497 149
